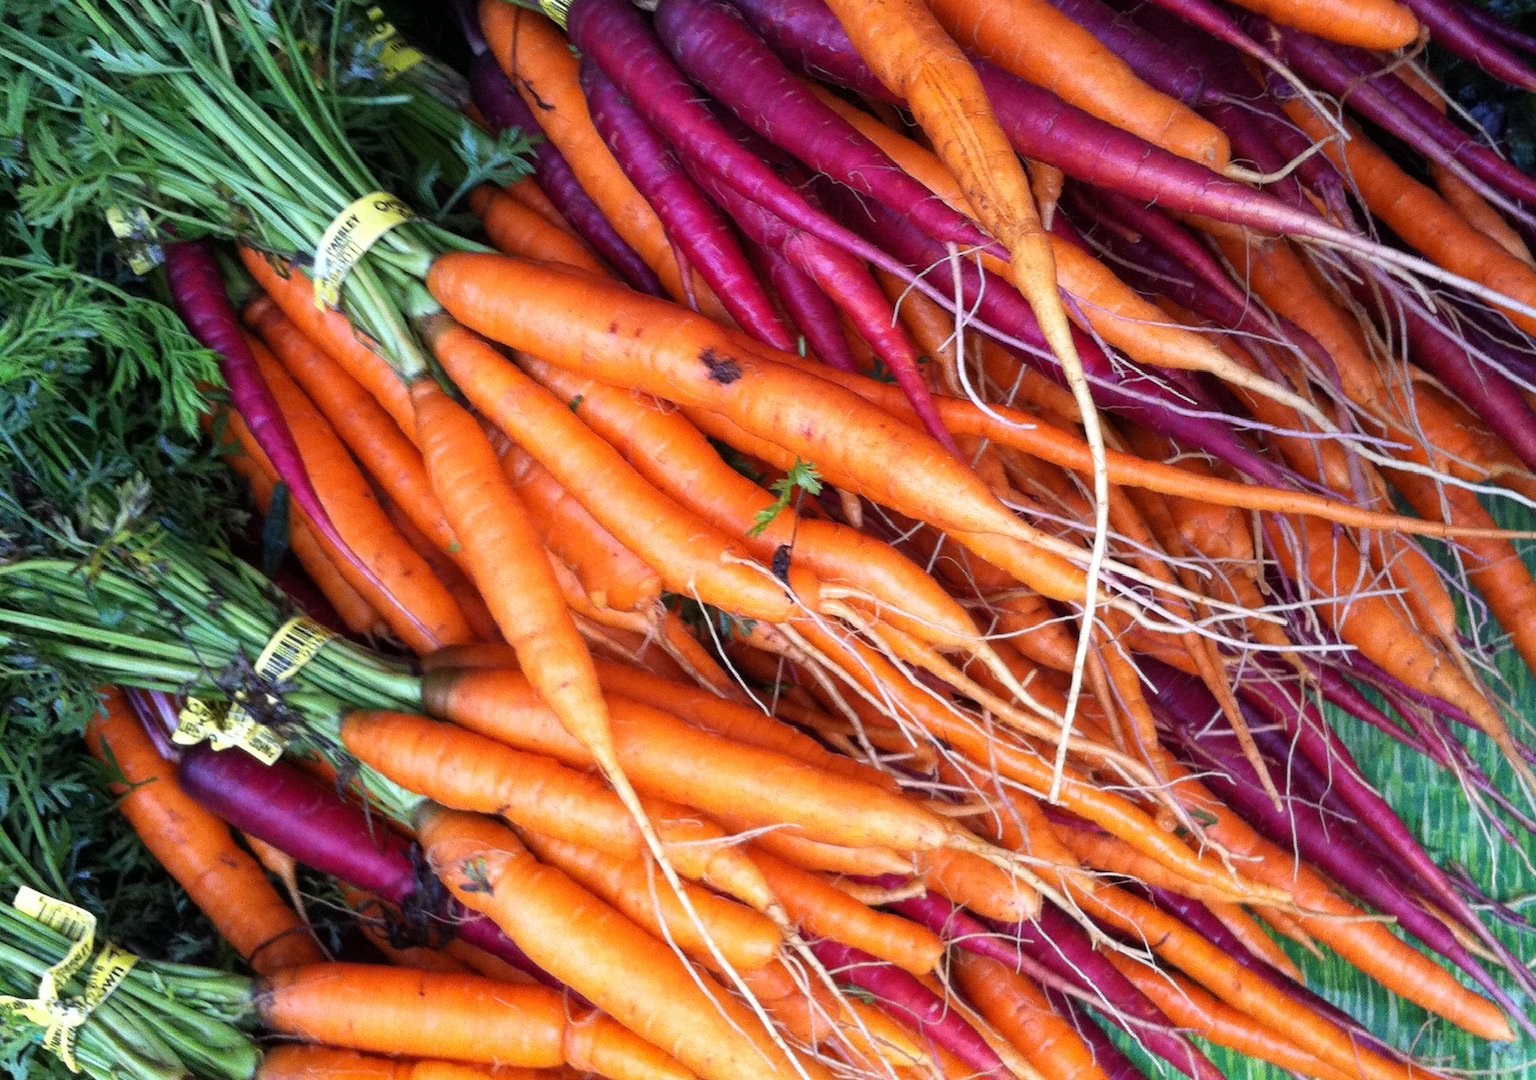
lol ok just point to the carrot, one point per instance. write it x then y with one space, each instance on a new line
294 1061
620 337
1191 1007
516 230
1081 71
989 892
421 613
528 192
693 558
537 59
1247 931
599 953
1112 856
465 771
1368 945
385 452
1366 24
674 455
1025 766
860 1034
814 855
332 332
1424 220
1476 212
1021 1012
463 591
673 760
195 847
613 575
745 938
458 1017
509 566
822 910
910 54
247 459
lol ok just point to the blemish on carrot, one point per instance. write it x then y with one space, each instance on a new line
722 369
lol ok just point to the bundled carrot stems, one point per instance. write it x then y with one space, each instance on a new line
742 540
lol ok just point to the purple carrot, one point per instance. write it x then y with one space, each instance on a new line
620 42
1174 72
1061 945
811 310
1042 126
713 45
1496 27
298 815
1200 919
997 303
1415 121
1106 1055
1054 970
1492 397
197 289
963 930
502 107
1473 35
1302 827
692 222
846 281
900 994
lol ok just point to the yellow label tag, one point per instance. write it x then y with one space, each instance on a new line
141 247
347 239
60 1018
395 55
295 644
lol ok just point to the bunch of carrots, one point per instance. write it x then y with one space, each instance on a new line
851 564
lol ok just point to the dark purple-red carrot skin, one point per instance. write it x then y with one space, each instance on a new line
1061 945
1301 826
811 310
1473 35
1106 1055
1491 396
197 289
1171 71
843 278
1204 15
502 107
1493 26
1199 918
301 816
622 43
911 1002
692 222
808 37
998 305
715 47
1463 146
1388 102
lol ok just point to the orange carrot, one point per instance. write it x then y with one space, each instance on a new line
294 1061
385 452
466 771
458 1017
248 459
1476 212
821 910
745 938
1366 24
599 953
195 847
1081 71
693 558
612 575
1018 1009
516 230
332 332
537 59
422 615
